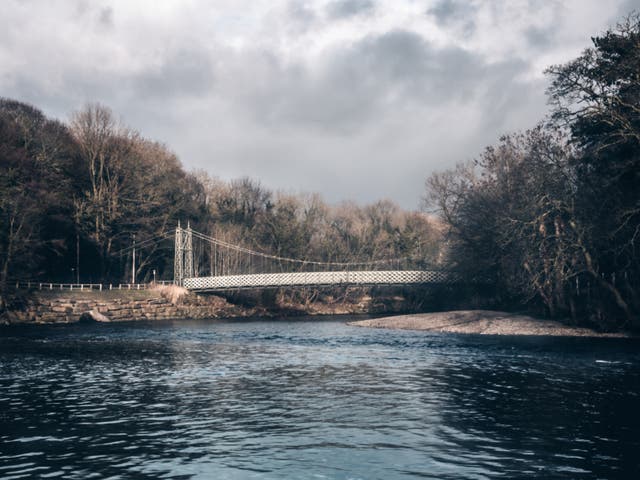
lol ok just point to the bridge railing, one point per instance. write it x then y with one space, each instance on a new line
85 287
268 280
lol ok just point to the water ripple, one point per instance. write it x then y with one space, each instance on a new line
312 399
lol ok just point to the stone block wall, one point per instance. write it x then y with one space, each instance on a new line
61 308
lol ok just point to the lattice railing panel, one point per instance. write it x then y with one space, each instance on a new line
264 280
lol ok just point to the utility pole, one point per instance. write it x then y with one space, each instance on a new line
133 262
77 257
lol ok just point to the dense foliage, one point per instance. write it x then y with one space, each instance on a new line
552 216
73 196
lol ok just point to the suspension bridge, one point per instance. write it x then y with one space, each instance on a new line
203 263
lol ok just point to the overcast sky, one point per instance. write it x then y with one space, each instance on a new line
354 99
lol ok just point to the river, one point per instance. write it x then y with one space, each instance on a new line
313 398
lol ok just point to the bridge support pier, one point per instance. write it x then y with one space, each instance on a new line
183 255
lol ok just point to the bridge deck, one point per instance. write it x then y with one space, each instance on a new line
271 280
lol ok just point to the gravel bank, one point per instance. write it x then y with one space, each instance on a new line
484 322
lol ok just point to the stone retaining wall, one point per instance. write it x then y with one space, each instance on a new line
170 302
40 308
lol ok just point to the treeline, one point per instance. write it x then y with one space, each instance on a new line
304 227
72 197
552 216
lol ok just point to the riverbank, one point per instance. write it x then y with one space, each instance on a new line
174 303
482 322
159 303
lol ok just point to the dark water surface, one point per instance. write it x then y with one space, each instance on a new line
313 399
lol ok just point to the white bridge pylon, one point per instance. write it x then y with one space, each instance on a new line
227 270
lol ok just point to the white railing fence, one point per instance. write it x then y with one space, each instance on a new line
32 285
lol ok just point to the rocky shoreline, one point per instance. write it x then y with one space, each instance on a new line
174 303
481 322
171 303
163 303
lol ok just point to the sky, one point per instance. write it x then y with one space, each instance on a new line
358 100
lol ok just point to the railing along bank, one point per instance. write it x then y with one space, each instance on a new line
86 286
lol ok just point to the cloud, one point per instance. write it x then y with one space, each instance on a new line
539 37
628 7
448 10
350 88
301 12
354 99
184 72
105 17
349 8
455 12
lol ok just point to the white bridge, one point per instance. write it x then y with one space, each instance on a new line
301 279
224 266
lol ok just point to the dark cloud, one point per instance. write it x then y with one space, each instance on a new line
540 37
163 86
628 7
189 72
349 8
378 74
301 12
82 7
446 11
455 13
105 17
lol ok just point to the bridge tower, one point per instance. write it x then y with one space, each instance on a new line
183 254
178 257
188 252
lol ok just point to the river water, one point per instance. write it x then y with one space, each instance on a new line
313 399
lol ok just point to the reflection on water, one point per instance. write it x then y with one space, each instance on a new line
312 399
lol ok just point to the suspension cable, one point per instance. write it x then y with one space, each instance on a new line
248 251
